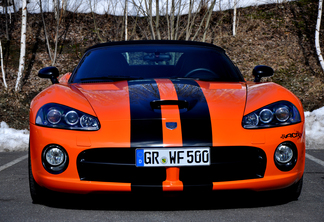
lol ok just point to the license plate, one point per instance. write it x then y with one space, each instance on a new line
168 157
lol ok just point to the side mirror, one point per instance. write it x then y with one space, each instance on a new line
262 71
49 73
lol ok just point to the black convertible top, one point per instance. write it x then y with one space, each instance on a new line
157 42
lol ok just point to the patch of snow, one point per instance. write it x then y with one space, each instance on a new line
314 125
12 139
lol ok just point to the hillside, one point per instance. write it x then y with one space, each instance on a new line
278 35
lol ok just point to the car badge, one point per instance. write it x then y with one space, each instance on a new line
171 125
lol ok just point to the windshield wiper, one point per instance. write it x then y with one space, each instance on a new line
109 78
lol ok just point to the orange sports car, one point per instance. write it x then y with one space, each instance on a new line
163 116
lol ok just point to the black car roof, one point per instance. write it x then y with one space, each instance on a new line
157 42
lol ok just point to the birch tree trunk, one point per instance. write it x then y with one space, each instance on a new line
45 31
22 46
318 26
57 17
189 22
56 9
234 18
151 19
172 20
2 68
178 21
167 18
157 19
126 18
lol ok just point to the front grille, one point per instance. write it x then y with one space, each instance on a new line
118 165
227 164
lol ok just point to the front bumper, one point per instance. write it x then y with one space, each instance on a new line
249 165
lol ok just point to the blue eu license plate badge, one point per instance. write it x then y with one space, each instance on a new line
139 157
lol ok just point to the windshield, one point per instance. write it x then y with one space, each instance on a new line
115 63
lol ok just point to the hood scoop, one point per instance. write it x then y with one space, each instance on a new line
182 104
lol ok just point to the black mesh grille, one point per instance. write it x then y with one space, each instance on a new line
118 165
227 164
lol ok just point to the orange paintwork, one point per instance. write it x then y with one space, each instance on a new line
172 182
110 103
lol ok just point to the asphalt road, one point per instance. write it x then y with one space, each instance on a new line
16 204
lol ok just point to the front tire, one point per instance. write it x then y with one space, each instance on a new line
293 192
37 193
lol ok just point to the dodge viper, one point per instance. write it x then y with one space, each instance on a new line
163 116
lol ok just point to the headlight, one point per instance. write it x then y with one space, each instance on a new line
72 118
277 114
54 156
53 116
63 117
285 156
266 116
282 113
55 159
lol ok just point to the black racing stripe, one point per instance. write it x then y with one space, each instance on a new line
195 121
146 124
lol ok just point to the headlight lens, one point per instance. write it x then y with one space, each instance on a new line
266 116
54 156
282 113
55 159
72 118
252 119
277 114
63 117
285 156
54 116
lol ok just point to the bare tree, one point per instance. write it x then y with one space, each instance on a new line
318 26
150 17
167 18
172 20
57 18
126 18
157 19
22 46
208 19
2 68
139 22
189 23
5 7
45 31
178 21
234 18
92 8
202 6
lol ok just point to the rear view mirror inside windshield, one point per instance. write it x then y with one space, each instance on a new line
157 57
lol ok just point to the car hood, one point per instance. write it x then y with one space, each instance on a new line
197 107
